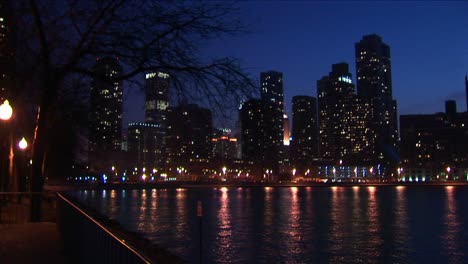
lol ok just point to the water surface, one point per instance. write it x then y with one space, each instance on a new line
297 224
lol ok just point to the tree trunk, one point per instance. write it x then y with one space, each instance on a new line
39 148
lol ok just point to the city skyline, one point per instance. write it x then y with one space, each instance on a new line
312 36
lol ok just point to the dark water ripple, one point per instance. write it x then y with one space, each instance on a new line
298 224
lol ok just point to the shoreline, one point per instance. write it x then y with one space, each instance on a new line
201 185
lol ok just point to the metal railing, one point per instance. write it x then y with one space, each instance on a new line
88 241
15 207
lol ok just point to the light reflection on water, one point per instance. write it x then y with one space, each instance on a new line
297 224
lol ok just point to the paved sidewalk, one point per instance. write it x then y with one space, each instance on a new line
31 243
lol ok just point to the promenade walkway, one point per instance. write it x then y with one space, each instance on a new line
31 243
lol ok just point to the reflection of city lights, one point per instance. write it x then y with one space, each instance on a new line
450 187
371 188
399 187
356 187
294 190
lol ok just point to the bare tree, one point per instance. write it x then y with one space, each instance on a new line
62 39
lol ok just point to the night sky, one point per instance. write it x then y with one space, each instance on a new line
428 42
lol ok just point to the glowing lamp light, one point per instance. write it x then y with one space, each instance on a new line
5 110
23 144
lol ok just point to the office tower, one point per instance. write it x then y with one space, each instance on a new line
156 103
344 134
141 145
374 83
7 62
105 124
156 97
251 116
189 135
431 144
225 146
272 98
304 144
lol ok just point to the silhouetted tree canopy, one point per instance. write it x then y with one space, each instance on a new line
59 41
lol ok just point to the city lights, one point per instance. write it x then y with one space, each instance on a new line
6 111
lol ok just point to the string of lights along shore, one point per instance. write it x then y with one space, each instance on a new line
348 132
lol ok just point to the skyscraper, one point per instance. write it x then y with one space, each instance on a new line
304 144
157 97
142 140
251 116
345 137
273 103
156 104
189 133
225 146
374 83
105 126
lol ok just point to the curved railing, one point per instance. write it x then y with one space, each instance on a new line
88 241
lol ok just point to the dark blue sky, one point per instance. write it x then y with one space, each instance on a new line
428 42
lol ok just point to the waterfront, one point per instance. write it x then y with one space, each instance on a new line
361 224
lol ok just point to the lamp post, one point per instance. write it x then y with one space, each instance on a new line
19 180
6 162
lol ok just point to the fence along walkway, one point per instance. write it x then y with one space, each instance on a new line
88 241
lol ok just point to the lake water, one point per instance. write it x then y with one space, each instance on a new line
297 224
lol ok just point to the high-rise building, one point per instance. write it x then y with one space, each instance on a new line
225 146
7 61
105 125
344 119
374 83
141 145
433 147
251 116
304 144
156 105
273 104
189 136
156 97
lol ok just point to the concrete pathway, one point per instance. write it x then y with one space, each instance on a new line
31 243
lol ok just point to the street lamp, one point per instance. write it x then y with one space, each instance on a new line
19 180
6 170
22 144
6 111
224 171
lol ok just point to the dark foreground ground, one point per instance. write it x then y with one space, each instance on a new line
31 243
